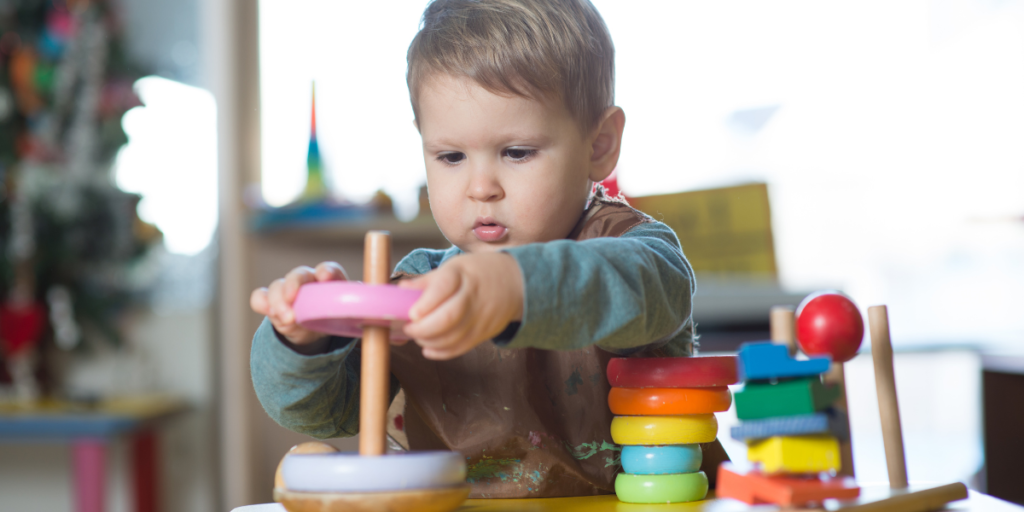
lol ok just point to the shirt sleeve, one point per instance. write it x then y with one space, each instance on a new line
318 394
621 294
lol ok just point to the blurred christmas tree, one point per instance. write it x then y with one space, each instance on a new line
69 238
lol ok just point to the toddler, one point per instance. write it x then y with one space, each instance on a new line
546 279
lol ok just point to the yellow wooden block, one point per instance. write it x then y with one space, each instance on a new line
661 430
796 454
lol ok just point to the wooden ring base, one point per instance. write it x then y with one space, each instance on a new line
443 499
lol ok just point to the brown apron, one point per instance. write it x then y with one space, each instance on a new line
531 423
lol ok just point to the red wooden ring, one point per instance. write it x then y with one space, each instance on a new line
672 372
668 401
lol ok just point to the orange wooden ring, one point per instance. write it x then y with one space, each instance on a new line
668 401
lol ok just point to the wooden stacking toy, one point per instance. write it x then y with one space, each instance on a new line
664 409
795 443
314 481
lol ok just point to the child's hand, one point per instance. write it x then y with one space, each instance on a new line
468 300
276 301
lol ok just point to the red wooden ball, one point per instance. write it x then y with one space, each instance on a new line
829 323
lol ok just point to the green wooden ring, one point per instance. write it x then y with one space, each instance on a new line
675 488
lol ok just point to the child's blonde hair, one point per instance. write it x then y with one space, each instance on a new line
531 48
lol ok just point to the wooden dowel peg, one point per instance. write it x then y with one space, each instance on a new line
837 376
888 406
781 320
375 367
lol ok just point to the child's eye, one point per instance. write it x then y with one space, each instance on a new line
519 154
451 158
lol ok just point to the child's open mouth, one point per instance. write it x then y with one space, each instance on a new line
488 230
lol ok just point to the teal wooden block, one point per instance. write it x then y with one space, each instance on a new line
789 398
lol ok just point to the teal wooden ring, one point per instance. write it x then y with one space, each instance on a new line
677 488
661 460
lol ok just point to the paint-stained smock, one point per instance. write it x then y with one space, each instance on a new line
528 410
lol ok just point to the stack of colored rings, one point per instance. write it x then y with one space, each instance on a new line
664 409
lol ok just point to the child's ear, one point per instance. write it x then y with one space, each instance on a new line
606 141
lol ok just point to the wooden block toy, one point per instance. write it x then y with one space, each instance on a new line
790 398
831 422
795 454
766 360
672 372
668 401
675 488
423 481
753 487
661 430
661 460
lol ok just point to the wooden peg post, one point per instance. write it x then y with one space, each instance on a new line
888 407
376 372
782 326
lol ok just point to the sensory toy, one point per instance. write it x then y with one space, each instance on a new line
661 401
763 361
796 454
753 487
672 372
369 481
766 400
664 409
661 460
791 452
828 323
827 422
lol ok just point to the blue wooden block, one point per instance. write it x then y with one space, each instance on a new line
830 422
661 460
765 360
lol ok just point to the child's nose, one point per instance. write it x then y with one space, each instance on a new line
485 186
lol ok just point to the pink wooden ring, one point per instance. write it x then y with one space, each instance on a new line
342 308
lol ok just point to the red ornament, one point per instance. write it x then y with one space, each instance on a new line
829 323
21 326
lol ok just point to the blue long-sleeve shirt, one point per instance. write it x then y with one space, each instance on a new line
622 294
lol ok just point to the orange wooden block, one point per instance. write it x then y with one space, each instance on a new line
752 487
668 401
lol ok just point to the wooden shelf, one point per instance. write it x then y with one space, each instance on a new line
421 230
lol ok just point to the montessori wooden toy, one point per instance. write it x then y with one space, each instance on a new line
789 454
662 460
789 398
672 372
371 481
764 361
665 408
659 430
664 401
796 454
752 487
888 407
827 422
672 488
344 308
829 323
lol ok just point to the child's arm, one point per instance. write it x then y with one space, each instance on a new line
306 381
618 293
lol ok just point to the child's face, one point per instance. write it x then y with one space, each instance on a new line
501 171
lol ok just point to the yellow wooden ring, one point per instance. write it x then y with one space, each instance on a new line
659 430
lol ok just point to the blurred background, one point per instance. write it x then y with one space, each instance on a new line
159 159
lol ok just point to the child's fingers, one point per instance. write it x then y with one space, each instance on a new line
444 325
330 271
437 287
294 279
280 309
259 302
